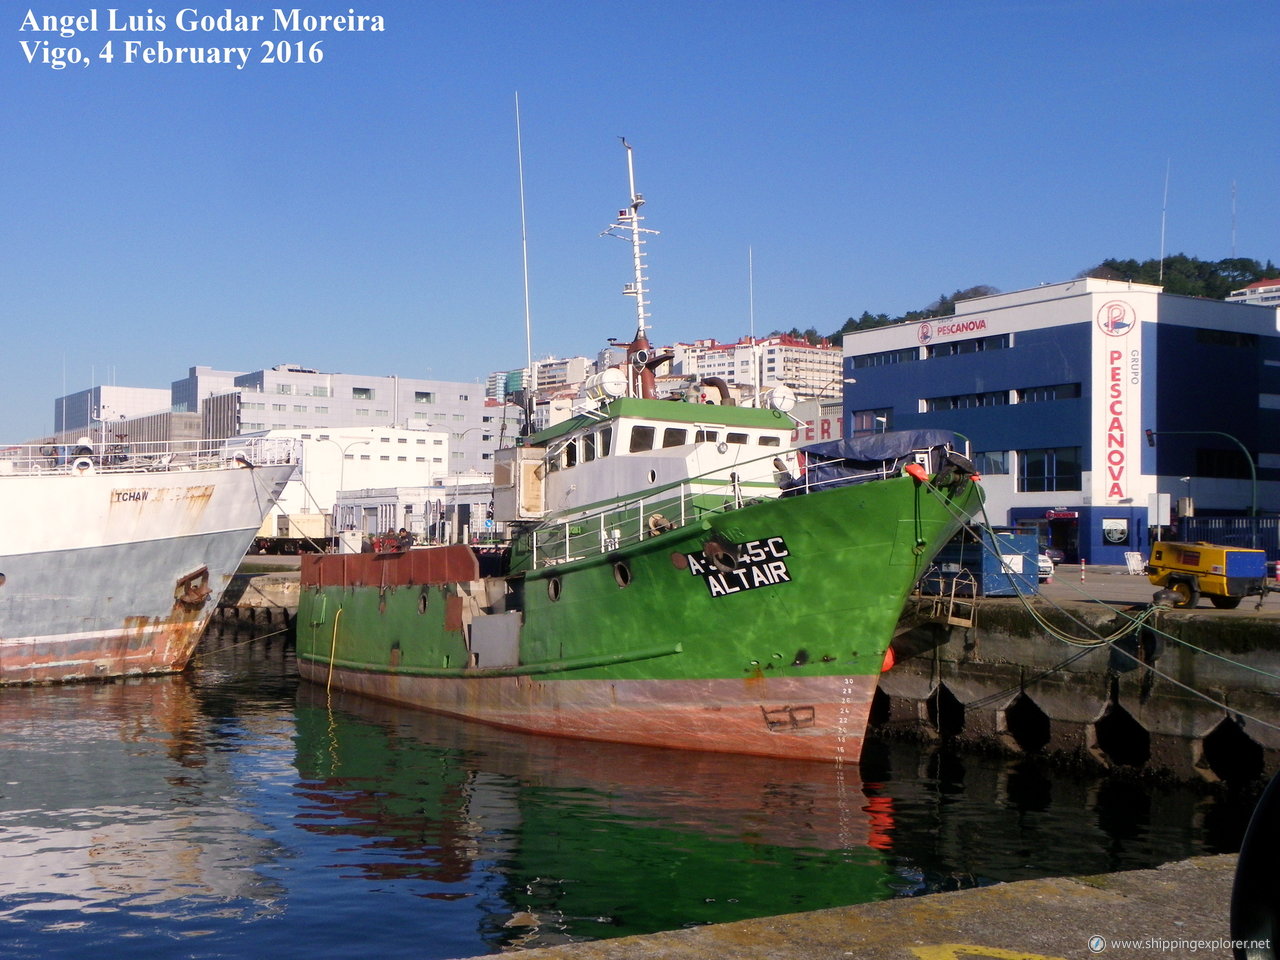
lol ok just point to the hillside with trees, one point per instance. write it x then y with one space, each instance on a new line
1187 276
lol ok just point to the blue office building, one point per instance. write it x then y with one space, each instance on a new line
1056 389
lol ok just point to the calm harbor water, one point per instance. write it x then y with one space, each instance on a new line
233 812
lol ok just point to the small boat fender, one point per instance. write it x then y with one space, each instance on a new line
917 471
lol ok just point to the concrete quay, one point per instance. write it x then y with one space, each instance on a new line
264 591
1178 910
1190 694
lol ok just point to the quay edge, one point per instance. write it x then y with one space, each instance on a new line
1207 711
1179 909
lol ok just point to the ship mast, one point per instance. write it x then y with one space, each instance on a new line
627 227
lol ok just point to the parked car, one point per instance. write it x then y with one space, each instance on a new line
1046 567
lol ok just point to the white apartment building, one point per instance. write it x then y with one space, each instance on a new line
334 459
1265 293
811 371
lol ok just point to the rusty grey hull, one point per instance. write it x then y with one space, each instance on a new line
810 718
132 608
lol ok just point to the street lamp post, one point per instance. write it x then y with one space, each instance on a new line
1253 471
342 464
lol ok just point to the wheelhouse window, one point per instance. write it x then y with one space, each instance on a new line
641 439
738 438
674 436
588 448
606 441
706 436
768 440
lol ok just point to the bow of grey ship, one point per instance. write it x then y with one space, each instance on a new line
113 556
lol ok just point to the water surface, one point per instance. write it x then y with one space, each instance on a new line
232 812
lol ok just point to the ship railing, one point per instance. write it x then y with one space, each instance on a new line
688 500
86 456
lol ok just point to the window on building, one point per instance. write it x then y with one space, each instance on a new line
319 391
279 407
424 396
1227 338
886 358
1048 470
361 393
284 388
322 410
1221 463
362 411
299 408
955 348
1058 391
871 421
992 462
967 401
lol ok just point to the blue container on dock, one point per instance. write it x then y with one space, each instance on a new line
1001 564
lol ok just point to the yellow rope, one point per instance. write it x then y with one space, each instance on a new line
333 649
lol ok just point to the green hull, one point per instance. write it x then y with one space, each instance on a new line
777 655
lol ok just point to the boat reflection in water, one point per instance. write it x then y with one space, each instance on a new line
585 840
111 799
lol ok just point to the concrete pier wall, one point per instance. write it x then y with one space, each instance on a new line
259 598
1208 708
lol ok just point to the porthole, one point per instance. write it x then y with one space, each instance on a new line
622 574
653 476
1 579
422 602
553 589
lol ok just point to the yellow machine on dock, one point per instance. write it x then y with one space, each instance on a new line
1223 574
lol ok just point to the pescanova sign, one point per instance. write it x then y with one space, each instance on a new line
929 331
1118 360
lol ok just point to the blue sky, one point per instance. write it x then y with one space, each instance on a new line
361 214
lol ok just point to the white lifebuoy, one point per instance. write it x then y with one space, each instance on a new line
659 524
82 466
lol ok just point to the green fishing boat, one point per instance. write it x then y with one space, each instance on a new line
680 576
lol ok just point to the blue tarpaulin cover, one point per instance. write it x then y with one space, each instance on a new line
837 462
878 447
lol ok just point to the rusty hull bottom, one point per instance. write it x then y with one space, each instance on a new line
797 718
139 647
